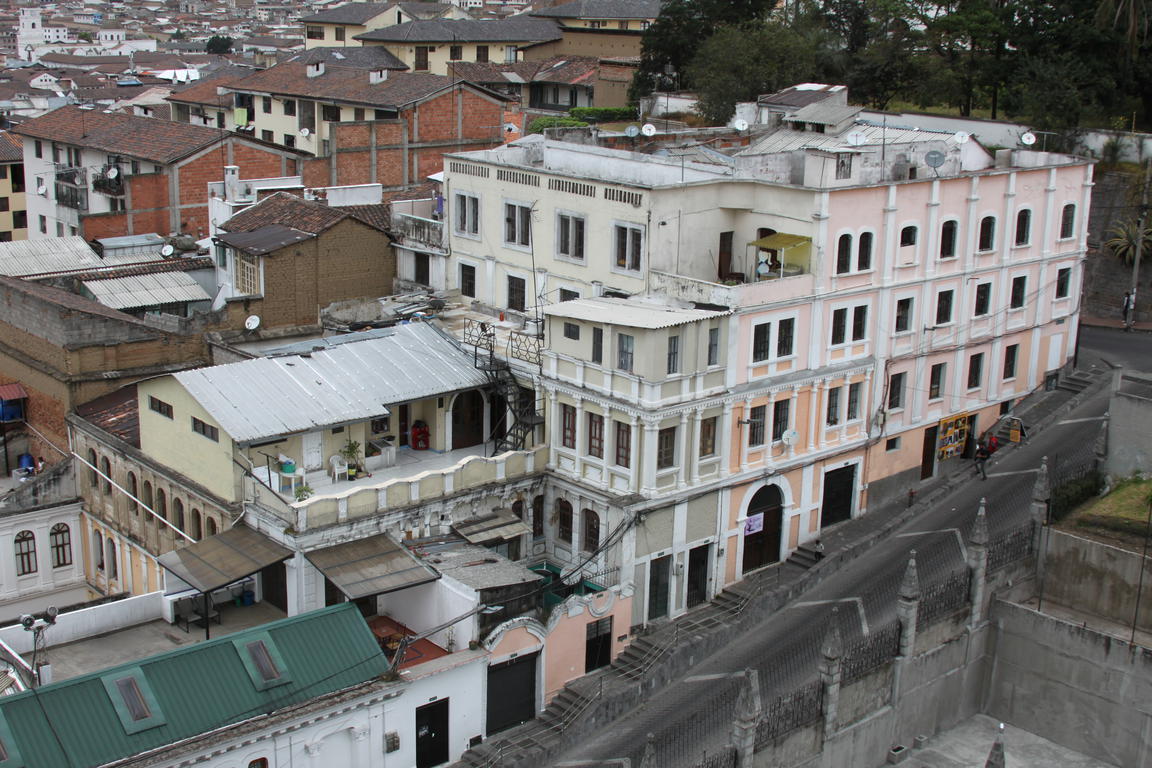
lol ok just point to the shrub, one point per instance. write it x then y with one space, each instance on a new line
1072 494
539 124
602 114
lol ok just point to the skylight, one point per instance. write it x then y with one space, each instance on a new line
263 661
133 700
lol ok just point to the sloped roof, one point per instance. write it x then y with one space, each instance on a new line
117 413
11 148
515 29
196 689
206 90
800 95
629 312
341 84
603 9
263 240
147 138
288 210
368 57
351 13
569 70
149 290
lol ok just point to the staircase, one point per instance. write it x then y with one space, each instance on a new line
1075 382
804 557
525 419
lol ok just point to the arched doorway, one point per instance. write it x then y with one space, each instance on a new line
763 528
468 419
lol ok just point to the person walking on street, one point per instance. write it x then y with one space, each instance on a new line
981 458
1126 310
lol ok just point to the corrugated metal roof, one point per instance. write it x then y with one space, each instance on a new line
197 689
64 255
628 312
220 560
371 566
785 140
827 114
146 290
267 397
263 240
502 524
13 391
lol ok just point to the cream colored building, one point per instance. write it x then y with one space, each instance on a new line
13 201
338 27
429 46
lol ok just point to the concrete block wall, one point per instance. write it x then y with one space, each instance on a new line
1096 578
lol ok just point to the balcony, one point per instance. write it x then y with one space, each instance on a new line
108 185
415 225
71 196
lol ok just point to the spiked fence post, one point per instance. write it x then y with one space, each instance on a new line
978 565
748 714
831 658
908 606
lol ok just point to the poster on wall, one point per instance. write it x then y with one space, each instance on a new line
754 524
953 436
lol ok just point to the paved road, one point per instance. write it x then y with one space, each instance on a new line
1130 350
693 715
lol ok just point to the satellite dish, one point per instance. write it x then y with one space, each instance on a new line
167 250
42 190
113 172
856 138
961 137
252 323
934 159
1028 139
632 131
789 437
648 129
740 125
511 128
305 132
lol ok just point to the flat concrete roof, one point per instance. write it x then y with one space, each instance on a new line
967 746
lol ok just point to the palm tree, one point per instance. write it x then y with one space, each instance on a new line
1123 241
1131 16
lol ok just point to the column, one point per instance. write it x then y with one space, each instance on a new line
725 438
697 417
553 426
646 456
635 458
683 449
581 437
831 654
794 416
743 434
815 412
978 566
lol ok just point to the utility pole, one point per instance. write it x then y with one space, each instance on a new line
1141 222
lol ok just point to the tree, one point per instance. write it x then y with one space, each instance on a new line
1123 241
219 44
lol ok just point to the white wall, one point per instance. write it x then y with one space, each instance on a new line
88 622
430 605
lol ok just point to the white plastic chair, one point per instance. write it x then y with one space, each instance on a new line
338 466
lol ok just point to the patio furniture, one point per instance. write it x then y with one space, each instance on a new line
338 465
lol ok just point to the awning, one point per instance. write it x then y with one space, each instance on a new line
501 525
13 391
371 566
780 240
220 560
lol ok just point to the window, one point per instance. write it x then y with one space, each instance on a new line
570 236
106 472
467 217
538 517
146 499
572 331
25 553
133 491
781 410
844 166
517 225
859 322
892 444
975 370
854 401
864 252
1010 354
1068 221
358 114
708 436
20 219
564 521
161 508
43 225
948 240
516 293
133 699
330 113
784 332
832 417
247 278
896 391
844 254
1023 226
313 32
468 280
421 63
1063 282
568 425
289 107
623 444
262 660
903 315
761 337
936 381
666 448
160 407
197 525
987 240
908 236
210 525
266 104
944 307
596 435
207 430
260 762
455 52
839 326
598 345
93 475
983 299
1019 286
590 540
713 346
268 136
178 513
629 245
624 347
289 141
756 417
481 53
673 354
38 148
509 54
567 295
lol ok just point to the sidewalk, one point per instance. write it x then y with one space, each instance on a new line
1113 322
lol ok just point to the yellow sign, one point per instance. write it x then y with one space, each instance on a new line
952 436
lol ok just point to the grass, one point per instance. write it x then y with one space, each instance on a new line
1120 518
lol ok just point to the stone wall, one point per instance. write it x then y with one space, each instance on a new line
1097 579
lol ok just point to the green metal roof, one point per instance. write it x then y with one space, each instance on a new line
76 723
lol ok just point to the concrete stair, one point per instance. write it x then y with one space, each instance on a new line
804 557
1077 381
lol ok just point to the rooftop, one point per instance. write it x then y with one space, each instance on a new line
11 148
800 95
290 211
470 564
350 13
343 84
514 29
603 9
369 57
634 313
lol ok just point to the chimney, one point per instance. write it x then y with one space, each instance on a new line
231 182
377 76
315 69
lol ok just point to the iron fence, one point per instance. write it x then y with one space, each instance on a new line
943 598
1074 479
525 346
725 758
1010 547
790 712
872 652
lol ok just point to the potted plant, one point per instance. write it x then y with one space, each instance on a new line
351 454
303 492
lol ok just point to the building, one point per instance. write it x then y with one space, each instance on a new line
104 175
431 46
339 26
553 85
623 15
13 202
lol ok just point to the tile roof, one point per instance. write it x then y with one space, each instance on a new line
800 95
515 29
369 57
376 216
117 413
287 210
345 85
196 689
351 13
264 239
11 148
557 69
205 90
145 138
603 9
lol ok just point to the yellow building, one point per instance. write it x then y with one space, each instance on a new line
429 46
628 15
339 26
13 207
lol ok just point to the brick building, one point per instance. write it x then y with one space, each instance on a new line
106 175
13 203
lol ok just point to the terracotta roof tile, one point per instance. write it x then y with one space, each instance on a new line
346 85
205 91
117 413
287 210
515 29
11 148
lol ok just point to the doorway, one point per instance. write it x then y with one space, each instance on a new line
659 579
839 488
763 528
928 457
724 266
313 451
403 422
598 645
468 419
511 693
432 734
274 586
970 439
698 574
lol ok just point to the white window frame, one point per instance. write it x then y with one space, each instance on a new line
521 207
1016 224
637 230
561 214
474 220
239 262
911 314
907 255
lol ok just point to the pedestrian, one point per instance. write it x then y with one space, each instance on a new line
818 548
1023 433
1126 308
980 459
993 444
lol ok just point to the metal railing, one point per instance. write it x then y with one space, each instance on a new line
418 229
872 652
790 712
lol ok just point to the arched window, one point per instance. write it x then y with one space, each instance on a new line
564 521
908 235
106 469
25 553
1068 221
197 525
1023 226
518 509
93 477
98 550
948 239
113 567
161 503
538 517
146 497
844 254
987 234
260 762
590 541
134 493
178 513
211 526
864 252
60 541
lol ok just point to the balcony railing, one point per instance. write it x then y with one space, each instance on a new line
416 230
71 197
